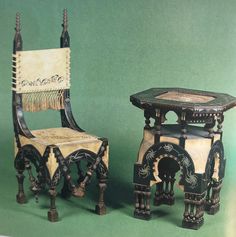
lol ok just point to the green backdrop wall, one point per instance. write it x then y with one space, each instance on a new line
119 47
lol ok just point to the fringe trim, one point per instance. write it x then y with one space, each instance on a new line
44 100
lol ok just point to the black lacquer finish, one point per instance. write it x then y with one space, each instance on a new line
160 160
29 158
147 99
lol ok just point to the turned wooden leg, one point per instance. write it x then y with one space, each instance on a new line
147 206
142 202
158 194
165 190
52 213
212 204
20 197
100 208
194 210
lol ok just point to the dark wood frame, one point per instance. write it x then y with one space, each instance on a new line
204 195
28 155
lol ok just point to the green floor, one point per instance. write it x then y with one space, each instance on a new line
118 48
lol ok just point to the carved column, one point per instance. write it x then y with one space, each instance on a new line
194 210
159 119
142 202
165 190
212 205
159 194
220 120
183 126
147 119
209 126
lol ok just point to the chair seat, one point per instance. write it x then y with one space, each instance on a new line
41 81
62 136
67 140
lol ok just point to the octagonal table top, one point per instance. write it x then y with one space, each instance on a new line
181 99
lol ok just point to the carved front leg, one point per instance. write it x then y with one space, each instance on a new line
100 207
20 167
20 197
52 213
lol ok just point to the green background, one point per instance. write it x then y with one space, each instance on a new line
120 47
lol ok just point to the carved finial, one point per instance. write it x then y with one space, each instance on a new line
65 20
17 43
65 38
17 22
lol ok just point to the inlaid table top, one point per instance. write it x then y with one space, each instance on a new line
183 100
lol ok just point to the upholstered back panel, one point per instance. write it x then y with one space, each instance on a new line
41 76
42 70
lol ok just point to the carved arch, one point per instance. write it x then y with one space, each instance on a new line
145 172
88 155
215 166
29 152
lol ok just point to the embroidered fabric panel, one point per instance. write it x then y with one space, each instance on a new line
41 70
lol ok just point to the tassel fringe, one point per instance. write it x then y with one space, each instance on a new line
44 100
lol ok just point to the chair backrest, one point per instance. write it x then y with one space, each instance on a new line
40 81
40 77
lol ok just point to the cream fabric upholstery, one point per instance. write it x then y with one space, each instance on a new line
42 70
68 141
197 144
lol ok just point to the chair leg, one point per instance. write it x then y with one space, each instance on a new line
194 210
52 213
20 197
212 205
100 208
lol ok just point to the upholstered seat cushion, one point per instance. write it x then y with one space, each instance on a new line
67 140
62 136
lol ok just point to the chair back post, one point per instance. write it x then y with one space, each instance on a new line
65 38
19 123
67 118
17 42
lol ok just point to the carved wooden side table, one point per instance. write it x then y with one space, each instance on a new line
193 145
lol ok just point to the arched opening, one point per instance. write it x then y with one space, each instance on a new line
167 169
30 161
171 117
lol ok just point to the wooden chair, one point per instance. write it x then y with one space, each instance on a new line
41 81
